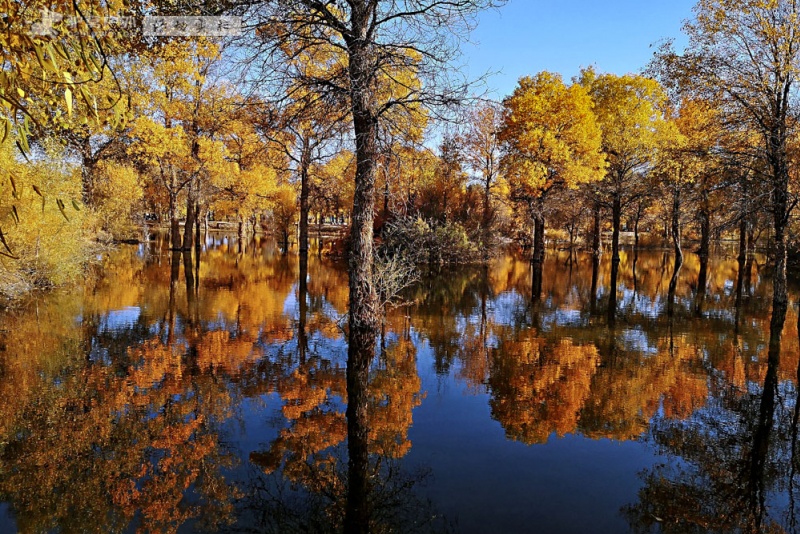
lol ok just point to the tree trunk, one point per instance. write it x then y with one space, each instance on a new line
676 222
616 216
240 233
363 309
197 227
175 231
597 248
743 238
704 215
188 228
305 164
538 236
780 215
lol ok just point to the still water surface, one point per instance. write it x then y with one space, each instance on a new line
169 394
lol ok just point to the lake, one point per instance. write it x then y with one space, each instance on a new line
170 394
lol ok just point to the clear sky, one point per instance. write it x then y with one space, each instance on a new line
528 36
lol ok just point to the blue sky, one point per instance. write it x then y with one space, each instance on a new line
528 36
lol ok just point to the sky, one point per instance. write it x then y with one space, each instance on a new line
528 36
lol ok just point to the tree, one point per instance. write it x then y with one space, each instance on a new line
747 55
551 140
482 151
376 37
629 112
55 60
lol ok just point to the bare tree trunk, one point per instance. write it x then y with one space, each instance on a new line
363 310
197 239
676 222
305 164
240 233
780 206
704 215
175 231
188 228
616 216
743 244
597 249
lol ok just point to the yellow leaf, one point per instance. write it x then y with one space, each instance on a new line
68 99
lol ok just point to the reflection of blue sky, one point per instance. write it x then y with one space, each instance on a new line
561 317
505 307
117 320
635 339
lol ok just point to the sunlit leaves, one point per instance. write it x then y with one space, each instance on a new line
551 136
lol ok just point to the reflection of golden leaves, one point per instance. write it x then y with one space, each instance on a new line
540 388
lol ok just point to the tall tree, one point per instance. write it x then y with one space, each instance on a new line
482 151
551 139
629 112
377 37
746 53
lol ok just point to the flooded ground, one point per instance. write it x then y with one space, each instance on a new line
174 394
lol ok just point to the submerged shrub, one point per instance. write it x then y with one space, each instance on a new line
422 241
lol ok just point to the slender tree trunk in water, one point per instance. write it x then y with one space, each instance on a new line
240 233
175 230
305 164
597 248
593 294
676 222
739 288
780 205
188 228
537 260
616 216
363 309
612 294
702 281
742 239
704 215
197 227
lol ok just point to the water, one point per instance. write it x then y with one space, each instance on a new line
166 395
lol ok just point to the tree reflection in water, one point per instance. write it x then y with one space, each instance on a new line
121 406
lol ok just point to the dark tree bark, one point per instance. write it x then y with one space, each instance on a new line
175 230
305 164
616 217
676 222
188 229
597 248
743 243
704 218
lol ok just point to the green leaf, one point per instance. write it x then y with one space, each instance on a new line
76 205
15 213
37 190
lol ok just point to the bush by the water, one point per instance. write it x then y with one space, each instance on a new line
424 241
46 235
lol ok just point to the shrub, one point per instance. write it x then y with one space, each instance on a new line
45 232
422 241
